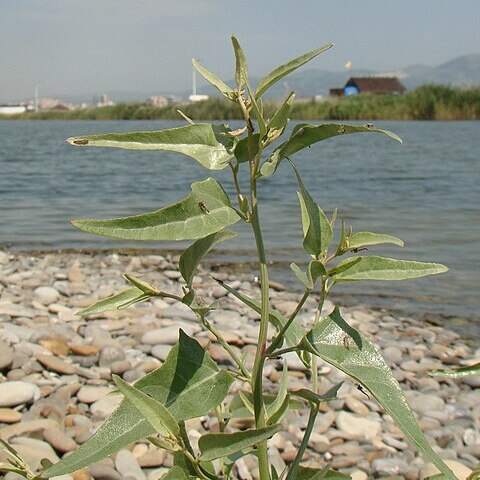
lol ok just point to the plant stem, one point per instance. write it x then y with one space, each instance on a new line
318 314
314 373
257 372
303 446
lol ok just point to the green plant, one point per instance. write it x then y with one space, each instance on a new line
157 405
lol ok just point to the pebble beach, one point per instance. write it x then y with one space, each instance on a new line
56 368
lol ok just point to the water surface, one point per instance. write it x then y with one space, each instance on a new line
426 191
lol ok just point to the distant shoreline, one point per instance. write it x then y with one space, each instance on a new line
428 102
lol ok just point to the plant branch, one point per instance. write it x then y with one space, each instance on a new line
278 340
226 346
303 446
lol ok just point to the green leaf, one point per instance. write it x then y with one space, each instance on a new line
193 255
279 414
241 149
382 268
317 230
217 445
208 144
278 73
189 384
458 372
342 346
302 276
305 473
175 473
214 80
345 265
316 398
181 461
257 108
237 408
247 401
276 126
304 135
152 410
241 70
141 285
342 247
282 392
205 210
315 269
122 299
363 239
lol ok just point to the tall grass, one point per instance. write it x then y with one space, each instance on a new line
428 102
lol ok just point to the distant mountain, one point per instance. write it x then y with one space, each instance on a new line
460 72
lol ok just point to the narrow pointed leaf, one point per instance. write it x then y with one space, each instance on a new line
175 473
301 275
345 265
458 372
241 70
342 247
152 410
382 268
362 361
126 297
193 255
276 126
279 414
217 445
282 392
364 239
141 285
189 384
247 401
305 135
317 229
315 270
237 408
278 73
214 80
313 397
257 110
206 143
205 210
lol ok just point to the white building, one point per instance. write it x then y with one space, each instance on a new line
12 109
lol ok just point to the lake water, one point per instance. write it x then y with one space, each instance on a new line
426 191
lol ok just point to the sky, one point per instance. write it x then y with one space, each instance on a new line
85 47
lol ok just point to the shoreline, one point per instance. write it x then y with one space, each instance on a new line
57 368
375 302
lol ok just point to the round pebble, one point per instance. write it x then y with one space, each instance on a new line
358 426
46 295
7 415
17 393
